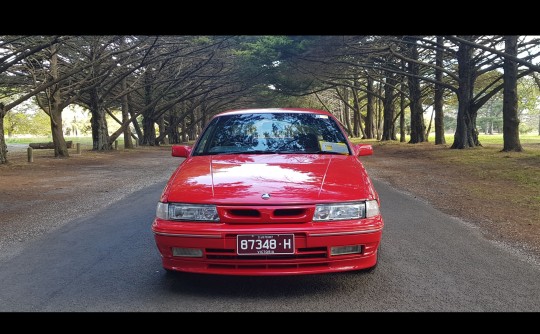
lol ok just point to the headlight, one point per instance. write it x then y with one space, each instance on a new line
345 211
324 212
187 212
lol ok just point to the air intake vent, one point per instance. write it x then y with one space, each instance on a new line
289 212
245 213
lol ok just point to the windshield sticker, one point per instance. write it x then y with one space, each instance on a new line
326 146
321 116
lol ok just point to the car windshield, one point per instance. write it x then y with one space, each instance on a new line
268 133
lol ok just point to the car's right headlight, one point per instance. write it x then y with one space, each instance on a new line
346 211
187 212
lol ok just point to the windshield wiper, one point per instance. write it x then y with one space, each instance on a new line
328 152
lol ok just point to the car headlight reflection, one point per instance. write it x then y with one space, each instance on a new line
187 212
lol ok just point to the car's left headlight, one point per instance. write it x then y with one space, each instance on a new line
187 212
346 211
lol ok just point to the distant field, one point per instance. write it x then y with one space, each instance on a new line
86 142
520 169
496 139
485 140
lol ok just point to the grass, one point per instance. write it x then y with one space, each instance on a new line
84 141
519 171
495 139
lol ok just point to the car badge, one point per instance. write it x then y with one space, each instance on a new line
265 196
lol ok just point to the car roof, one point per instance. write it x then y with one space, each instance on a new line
273 110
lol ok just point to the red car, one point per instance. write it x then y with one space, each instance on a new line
269 192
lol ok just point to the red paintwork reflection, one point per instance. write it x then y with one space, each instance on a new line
290 179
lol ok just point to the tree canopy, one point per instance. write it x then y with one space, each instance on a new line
166 87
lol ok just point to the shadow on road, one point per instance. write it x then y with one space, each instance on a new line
261 286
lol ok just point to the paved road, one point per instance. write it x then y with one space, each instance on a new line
108 262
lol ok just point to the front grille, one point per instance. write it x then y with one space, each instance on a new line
270 266
253 214
289 212
301 253
245 213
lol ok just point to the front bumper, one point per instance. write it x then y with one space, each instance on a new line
313 242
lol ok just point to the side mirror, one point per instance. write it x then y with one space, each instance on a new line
363 149
182 151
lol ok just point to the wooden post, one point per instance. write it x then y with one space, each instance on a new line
30 152
78 148
116 144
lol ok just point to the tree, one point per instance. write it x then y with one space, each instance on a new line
439 95
536 78
418 127
177 82
14 49
370 108
470 68
466 134
510 98
389 132
53 102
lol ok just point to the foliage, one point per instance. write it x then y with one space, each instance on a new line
168 85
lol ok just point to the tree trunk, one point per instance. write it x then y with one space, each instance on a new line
466 134
136 126
3 146
185 137
402 134
378 115
128 143
357 115
537 80
161 127
418 128
346 113
100 131
177 118
55 110
204 115
60 146
439 93
370 109
389 108
428 130
173 133
149 131
510 98
192 126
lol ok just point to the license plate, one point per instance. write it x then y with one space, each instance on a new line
262 244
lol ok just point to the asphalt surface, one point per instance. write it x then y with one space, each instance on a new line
108 262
